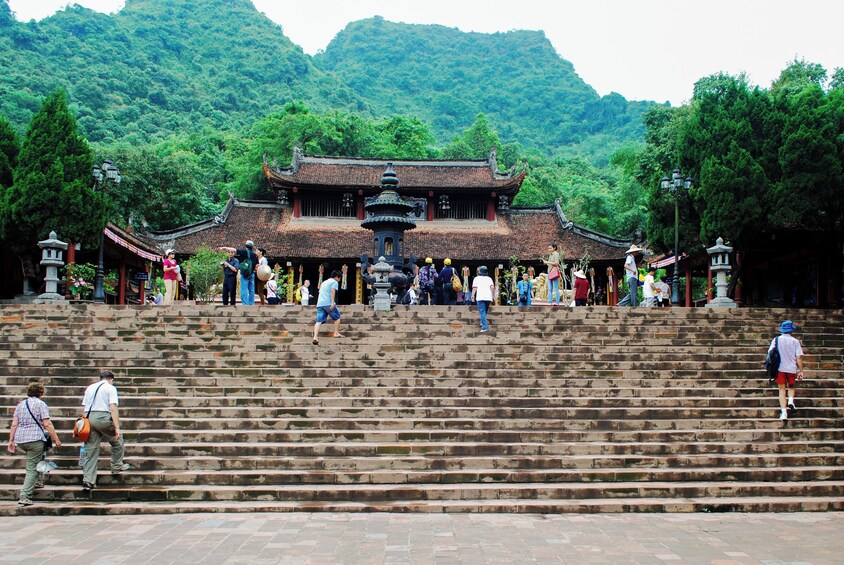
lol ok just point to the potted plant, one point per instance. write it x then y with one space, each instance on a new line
206 275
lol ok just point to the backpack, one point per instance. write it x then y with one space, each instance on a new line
246 267
772 361
455 283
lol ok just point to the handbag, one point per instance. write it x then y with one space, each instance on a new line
48 441
553 274
455 283
82 425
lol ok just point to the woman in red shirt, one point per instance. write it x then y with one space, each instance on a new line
581 288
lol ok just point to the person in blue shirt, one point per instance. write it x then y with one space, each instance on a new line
327 304
525 288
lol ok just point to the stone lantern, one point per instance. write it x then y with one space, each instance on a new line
382 285
52 251
719 263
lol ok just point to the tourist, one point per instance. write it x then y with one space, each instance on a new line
171 277
368 277
664 292
100 403
631 273
524 288
272 290
260 286
327 305
305 292
483 292
791 366
581 288
230 269
650 292
248 263
553 263
31 426
427 277
449 295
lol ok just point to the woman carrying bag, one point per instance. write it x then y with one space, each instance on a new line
553 263
32 432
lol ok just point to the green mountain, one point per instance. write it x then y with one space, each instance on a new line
164 66
159 66
446 77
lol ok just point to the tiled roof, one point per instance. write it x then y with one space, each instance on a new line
524 233
349 173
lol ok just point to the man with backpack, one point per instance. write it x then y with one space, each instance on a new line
427 278
248 263
790 367
449 295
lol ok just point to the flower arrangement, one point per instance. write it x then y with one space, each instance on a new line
81 289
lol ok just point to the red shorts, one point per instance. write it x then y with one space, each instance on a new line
783 378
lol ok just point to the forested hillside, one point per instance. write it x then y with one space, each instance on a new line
446 77
158 67
164 66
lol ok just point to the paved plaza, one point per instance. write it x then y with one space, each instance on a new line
310 539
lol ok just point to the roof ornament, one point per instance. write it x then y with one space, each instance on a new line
558 204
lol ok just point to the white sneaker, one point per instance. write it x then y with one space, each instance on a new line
783 414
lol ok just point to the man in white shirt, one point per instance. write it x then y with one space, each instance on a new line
791 366
100 403
483 291
631 274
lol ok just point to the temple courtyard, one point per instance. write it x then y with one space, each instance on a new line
323 538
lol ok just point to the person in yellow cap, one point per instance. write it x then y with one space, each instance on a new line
449 295
427 278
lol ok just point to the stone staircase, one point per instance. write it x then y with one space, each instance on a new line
555 410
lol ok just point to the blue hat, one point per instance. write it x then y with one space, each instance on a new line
787 327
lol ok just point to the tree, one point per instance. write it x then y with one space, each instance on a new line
53 187
475 143
9 149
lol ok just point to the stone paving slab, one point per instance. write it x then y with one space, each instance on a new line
441 539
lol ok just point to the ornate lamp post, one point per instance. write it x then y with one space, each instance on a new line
673 186
102 175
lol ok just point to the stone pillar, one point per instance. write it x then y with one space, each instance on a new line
382 285
719 263
51 257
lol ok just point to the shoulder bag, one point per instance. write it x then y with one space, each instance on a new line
48 441
82 426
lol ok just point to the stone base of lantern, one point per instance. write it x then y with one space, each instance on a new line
722 302
48 298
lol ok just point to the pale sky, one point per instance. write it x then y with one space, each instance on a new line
642 49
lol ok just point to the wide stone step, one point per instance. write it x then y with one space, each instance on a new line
438 492
61 480
243 444
580 506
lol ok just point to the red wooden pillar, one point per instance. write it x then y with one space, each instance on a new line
121 283
739 290
360 205
297 203
708 284
688 285
490 208
430 215
71 258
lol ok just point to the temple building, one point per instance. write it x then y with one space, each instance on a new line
461 210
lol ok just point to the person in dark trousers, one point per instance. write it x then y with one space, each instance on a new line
230 268
791 366
449 296
100 402
631 273
247 280
427 278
